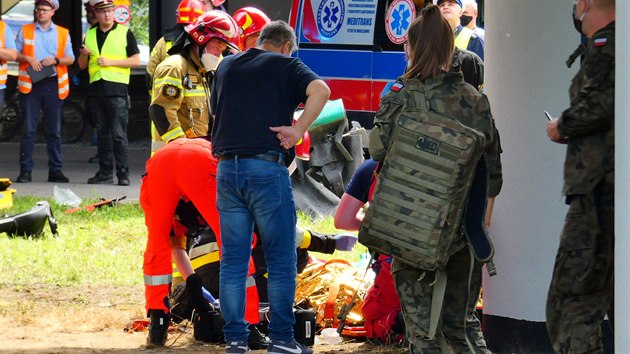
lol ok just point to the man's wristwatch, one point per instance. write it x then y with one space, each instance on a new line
57 61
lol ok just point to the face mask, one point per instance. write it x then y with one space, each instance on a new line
577 22
465 20
209 61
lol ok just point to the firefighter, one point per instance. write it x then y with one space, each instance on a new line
187 12
179 107
250 22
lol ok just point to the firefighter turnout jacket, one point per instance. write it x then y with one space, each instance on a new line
179 106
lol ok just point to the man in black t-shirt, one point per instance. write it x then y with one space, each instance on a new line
254 95
109 53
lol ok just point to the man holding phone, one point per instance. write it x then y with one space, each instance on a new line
582 286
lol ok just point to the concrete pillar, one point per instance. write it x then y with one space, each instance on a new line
622 175
527 43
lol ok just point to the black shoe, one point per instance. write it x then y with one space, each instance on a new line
158 328
101 178
57 176
257 340
123 180
24 177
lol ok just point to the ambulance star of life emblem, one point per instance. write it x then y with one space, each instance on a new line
171 91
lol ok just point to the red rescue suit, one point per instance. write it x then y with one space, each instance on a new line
183 169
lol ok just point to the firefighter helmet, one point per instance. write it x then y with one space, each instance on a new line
214 24
249 20
189 10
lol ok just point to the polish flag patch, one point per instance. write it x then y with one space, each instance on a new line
396 87
600 42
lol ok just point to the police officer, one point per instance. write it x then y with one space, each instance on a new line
464 37
109 53
582 286
179 107
187 12
43 45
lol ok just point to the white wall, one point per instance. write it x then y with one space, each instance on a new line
622 174
527 43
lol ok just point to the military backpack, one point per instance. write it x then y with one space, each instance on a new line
418 204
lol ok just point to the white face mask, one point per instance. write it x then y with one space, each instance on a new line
209 61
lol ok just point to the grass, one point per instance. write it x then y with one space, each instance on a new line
104 247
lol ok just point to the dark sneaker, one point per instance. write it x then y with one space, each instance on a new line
257 340
236 347
123 181
24 177
158 328
101 178
292 347
57 176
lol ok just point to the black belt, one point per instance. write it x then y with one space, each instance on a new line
275 157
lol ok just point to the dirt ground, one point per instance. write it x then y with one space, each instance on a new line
53 319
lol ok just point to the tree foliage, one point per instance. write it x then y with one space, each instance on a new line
140 21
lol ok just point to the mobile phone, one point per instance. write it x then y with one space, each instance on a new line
549 117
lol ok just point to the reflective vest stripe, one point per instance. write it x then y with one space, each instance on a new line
463 38
153 280
4 68
168 80
173 134
199 262
194 93
203 249
115 47
24 80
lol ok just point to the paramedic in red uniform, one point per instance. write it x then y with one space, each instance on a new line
184 169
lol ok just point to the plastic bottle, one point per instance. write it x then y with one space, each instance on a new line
64 196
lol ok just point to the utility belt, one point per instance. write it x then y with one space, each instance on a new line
271 156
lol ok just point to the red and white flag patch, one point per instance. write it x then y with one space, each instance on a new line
397 86
600 42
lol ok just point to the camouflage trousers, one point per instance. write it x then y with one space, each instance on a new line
582 287
457 321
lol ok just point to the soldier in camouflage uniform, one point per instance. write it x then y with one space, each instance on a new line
581 290
449 95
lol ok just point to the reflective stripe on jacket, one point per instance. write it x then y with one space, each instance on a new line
24 80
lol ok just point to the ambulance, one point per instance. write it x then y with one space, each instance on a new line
356 46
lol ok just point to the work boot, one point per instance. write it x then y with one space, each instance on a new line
24 177
158 328
257 340
101 178
57 176
123 178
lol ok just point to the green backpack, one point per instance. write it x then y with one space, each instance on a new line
423 188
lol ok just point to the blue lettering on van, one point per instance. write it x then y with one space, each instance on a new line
330 17
359 21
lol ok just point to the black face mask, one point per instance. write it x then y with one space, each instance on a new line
465 20
577 23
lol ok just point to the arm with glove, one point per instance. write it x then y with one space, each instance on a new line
324 243
201 298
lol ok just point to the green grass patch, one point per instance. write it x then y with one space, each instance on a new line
104 247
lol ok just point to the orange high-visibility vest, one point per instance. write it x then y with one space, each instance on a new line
24 80
4 68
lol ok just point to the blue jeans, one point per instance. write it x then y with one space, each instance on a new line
43 98
256 192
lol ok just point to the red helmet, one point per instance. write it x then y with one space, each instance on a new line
249 20
214 24
189 10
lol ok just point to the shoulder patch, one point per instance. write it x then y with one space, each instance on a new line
600 42
171 91
397 86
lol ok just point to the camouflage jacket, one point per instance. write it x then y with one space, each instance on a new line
448 95
589 122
